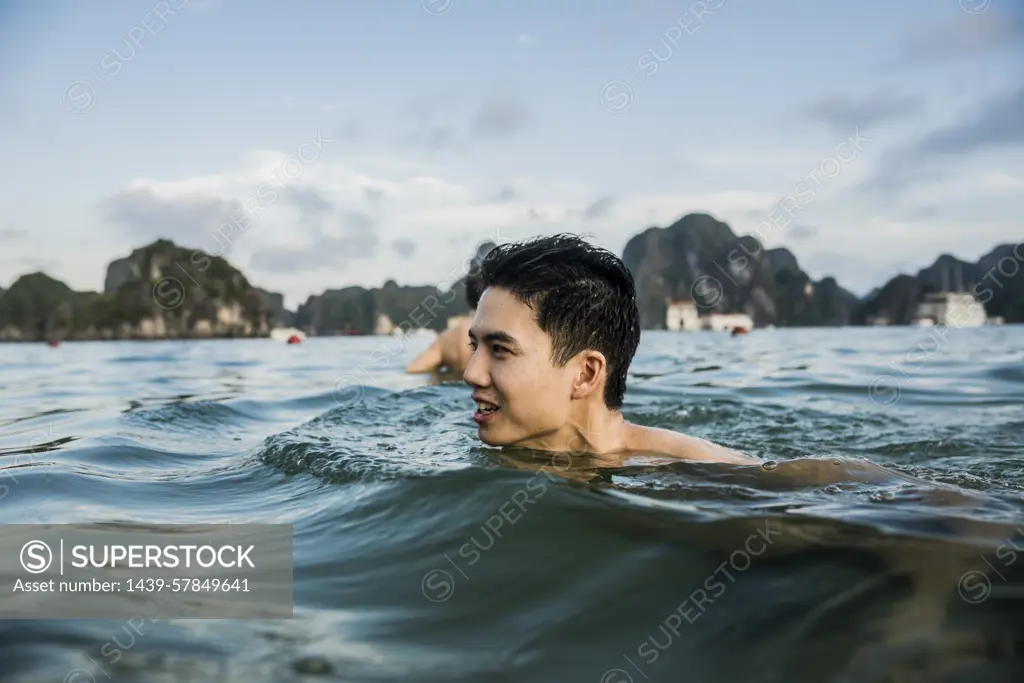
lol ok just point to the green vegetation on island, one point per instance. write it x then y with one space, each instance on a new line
165 291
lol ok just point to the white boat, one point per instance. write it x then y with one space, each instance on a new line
286 333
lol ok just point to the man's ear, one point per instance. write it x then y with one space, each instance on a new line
591 367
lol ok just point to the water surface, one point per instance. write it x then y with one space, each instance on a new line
880 543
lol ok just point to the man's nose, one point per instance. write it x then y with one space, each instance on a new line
475 373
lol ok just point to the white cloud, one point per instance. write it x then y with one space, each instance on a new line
525 38
436 212
968 183
1001 180
400 200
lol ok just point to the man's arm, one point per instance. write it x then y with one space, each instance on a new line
428 361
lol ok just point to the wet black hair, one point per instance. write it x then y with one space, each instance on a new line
584 297
472 280
473 290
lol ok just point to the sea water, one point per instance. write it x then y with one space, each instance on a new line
880 540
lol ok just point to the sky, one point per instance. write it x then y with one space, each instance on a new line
318 145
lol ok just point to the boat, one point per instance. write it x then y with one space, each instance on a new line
287 334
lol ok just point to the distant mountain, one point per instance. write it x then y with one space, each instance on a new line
996 280
166 291
355 310
273 304
34 304
158 291
699 258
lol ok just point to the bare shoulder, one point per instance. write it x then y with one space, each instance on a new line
454 337
448 334
455 348
458 331
678 445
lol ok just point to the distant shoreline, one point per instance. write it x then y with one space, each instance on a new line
184 338
681 333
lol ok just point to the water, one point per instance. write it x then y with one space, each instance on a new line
420 555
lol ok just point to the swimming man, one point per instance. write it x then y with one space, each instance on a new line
450 352
553 335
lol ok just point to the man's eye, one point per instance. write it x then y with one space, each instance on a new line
499 349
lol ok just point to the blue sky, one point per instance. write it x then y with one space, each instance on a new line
426 127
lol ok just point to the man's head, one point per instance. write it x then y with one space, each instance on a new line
554 334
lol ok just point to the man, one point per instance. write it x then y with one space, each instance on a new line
450 352
552 338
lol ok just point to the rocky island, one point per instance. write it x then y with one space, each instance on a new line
166 291
700 259
160 291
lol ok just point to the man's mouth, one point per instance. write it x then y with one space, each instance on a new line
484 410
486 407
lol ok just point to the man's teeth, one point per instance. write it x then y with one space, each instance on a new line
486 407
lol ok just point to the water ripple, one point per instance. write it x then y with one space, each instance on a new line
897 469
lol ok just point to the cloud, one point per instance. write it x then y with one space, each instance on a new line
350 130
358 239
10 235
435 138
968 35
358 222
500 118
753 214
312 204
30 264
438 122
922 213
322 254
999 122
1000 180
430 118
801 232
288 250
599 209
843 113
996 124
524 38
506 194
404 248
187 219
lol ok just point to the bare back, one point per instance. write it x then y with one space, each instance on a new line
455 348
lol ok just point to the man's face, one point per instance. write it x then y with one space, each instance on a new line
511 367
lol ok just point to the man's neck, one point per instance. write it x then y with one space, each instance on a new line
592 429
597 430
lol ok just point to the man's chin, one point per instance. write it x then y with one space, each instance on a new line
489 437
492 435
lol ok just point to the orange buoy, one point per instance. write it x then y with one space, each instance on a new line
294 339
53 343
739 330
